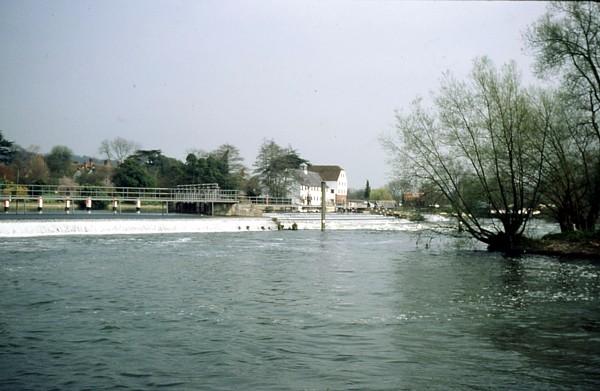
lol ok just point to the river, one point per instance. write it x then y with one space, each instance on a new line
341 309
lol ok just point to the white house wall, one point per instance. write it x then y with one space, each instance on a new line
342 184
335 193
330 192
313 192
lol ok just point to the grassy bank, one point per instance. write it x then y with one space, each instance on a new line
568 245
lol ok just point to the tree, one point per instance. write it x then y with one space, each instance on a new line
98 176
356 194
6 150
166 171
566 42
274 166
399 187
231 155
252 186
381 194
37 172
170 172
148 157
567 39
21 161
4 142
118 149
59 161
570 172
209 169
482 138
367 193
132 173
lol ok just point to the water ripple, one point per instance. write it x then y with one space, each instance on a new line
294 310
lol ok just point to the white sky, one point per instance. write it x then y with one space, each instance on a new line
324 77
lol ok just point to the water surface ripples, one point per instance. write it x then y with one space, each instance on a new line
292 310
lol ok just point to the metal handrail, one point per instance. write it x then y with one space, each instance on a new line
200 186
61 192
267 200
183 193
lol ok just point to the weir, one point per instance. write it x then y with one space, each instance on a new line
128 226
107 224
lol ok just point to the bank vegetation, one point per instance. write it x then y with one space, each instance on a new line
490 143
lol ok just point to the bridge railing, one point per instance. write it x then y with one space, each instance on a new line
264 200
199 186
195 193
185 193
205 195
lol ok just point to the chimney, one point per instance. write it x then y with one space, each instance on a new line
304 168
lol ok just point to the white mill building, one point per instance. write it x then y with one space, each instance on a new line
307 191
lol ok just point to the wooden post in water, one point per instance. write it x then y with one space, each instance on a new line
323 205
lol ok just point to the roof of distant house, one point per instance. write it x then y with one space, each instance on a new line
311 179
328 173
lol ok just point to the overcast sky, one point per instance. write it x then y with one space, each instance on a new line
324 77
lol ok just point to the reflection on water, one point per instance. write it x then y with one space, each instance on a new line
293 310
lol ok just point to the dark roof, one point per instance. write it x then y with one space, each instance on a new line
328 173
309 179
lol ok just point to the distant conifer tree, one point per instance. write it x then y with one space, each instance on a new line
367 190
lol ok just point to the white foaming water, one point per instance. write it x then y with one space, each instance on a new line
349 222
17 228
438 218
303 221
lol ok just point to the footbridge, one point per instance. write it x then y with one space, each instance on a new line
199 198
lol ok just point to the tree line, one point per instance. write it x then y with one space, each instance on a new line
127 165
490 145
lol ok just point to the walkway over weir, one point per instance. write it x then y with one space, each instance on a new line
198 193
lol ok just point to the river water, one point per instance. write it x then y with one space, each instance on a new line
344 309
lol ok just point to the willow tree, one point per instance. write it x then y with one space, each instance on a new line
479 143
566 44
571 166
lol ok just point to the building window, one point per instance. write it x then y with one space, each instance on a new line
332 191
